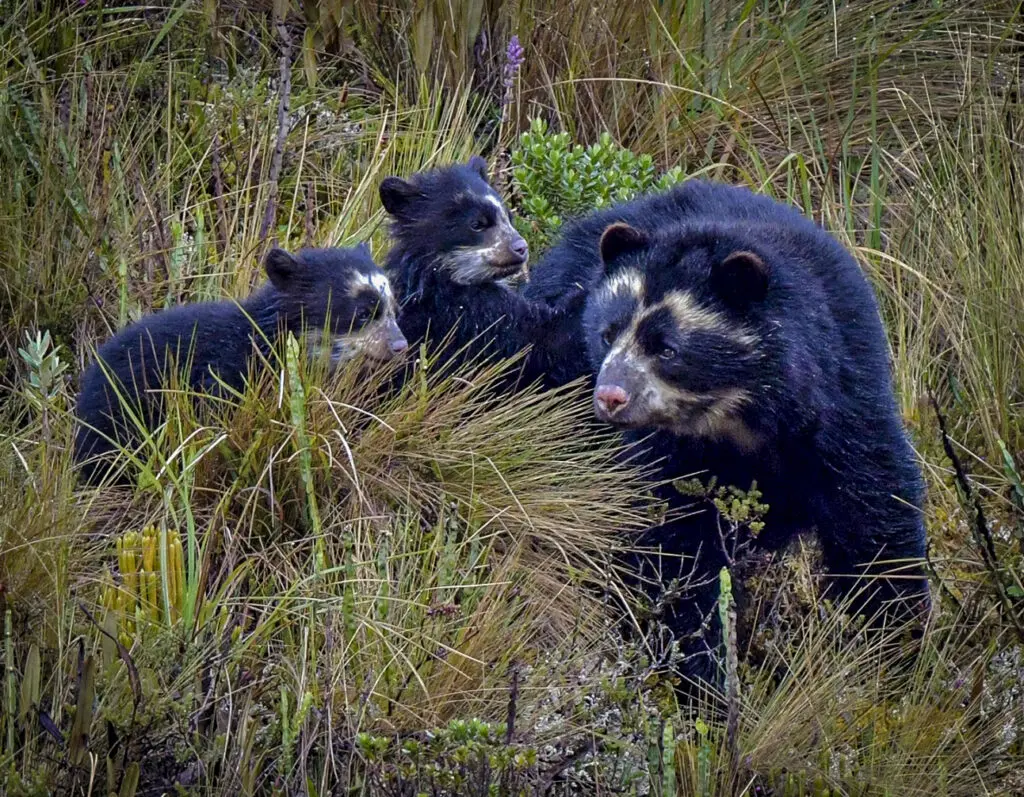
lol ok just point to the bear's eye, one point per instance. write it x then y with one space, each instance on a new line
609 335
668 353
363 315
480 224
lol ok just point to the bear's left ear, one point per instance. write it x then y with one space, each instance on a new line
281 268
620 239
478 164
364 247
395 194
741 279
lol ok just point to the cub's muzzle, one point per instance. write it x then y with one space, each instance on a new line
390 342
512 251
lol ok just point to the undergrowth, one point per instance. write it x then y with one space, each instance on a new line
318 585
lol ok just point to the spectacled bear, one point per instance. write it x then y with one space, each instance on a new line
327 297
454 248
733 337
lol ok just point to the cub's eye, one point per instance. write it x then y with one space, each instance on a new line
609 335
480 224
363 315
668 353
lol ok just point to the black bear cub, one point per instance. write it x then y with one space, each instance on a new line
335 297
454 248
745 343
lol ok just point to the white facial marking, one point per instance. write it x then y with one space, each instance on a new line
683 411
625 283
377 282
690 315
471 265
340 349
493 200
380 284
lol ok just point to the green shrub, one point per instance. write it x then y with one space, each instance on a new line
555 180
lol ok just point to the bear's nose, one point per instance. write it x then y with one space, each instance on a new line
610 399
399 345
519 248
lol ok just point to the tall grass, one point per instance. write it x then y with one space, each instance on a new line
363 574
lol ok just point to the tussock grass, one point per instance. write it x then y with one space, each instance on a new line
385 558
365 571
828 710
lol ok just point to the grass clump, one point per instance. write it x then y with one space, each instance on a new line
452 540
413 591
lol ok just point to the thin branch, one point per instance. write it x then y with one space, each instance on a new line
980 527
218 195
285 89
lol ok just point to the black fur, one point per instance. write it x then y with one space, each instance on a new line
312 292
573 265
826 444
454 246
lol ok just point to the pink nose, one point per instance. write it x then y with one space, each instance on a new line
610 398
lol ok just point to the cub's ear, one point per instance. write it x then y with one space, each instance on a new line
281 268
478 164
395 194
364 248
740 279
620 239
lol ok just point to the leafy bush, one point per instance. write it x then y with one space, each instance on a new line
555 179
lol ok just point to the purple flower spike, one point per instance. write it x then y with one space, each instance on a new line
514 57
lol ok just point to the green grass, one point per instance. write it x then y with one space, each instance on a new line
371 585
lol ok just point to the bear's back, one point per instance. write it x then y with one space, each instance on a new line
213 334
573 263
212 337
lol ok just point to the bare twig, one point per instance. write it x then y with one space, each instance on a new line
982 533
513 696
218 195
310 214
285 90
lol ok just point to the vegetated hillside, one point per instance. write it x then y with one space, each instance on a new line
321 586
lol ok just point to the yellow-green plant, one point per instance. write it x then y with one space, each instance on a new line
150 588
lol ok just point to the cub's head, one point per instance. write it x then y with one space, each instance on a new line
338 298
680 332
455 218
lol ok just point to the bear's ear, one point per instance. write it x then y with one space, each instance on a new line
620 239
478 164
281 268
740 279
364 247
395 194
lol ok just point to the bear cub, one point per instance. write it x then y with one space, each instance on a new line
338 298
454 248
732 337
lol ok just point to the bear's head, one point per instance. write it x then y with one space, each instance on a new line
338 298
683 330
454 219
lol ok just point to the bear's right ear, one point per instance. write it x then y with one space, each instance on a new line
741 279
395 194
479 165
620 239
281 268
